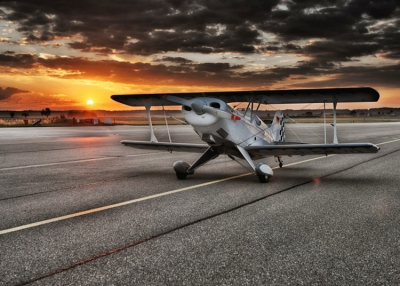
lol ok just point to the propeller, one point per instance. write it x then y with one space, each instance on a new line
200 107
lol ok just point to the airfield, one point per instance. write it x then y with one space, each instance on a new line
78 208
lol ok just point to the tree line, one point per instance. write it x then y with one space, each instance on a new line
45 112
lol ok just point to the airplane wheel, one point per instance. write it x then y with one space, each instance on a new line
181 176
280 165
263 178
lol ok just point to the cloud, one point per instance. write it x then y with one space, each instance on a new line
9 91
183 73
346 29
13 60
216 67
340 30
178 60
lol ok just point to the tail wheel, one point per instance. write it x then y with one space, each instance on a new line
263 178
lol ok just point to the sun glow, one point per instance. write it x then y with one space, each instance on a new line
89 102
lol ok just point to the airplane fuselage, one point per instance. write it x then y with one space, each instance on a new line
240 129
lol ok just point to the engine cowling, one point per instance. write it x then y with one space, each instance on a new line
205 111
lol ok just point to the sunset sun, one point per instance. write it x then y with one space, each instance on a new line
89 102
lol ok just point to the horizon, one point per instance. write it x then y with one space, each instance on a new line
143 110
58 55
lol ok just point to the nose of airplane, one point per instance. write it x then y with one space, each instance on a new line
197 106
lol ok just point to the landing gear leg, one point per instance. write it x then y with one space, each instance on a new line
280 162
182 169
263 171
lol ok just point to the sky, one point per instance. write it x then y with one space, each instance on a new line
61 53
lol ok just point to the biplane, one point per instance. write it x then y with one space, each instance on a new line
242 134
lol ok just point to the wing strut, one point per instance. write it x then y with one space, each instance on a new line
335 141
166 123
324 123
153 137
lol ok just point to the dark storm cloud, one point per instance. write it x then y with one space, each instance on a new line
342 28
12 60
216 67
359 76
340 51
8 91
146 27
178 60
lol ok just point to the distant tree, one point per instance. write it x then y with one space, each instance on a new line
379 113
12 114
353 113
308 113
62 116
46 112
25 114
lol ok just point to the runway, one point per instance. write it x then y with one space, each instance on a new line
78 208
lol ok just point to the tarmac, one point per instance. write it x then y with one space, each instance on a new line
78 208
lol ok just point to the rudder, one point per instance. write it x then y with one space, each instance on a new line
278 127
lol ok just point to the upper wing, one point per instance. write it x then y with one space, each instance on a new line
179 147
311 149
360 94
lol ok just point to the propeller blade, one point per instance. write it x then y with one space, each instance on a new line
199 107
220 113
176 99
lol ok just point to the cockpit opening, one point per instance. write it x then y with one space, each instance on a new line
215 105
187 108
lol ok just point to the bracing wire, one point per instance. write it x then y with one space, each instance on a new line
246 167
304 128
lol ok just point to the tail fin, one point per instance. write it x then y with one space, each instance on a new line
278 127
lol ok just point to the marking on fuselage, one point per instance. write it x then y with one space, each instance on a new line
43 222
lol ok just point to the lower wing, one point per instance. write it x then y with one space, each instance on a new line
179 147
311 149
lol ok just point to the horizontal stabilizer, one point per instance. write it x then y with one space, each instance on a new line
178 147
318 95
312 149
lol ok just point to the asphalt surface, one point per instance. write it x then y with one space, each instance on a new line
78 208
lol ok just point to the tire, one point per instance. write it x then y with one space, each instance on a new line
181 176
263 178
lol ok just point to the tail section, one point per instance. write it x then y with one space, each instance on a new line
278 127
